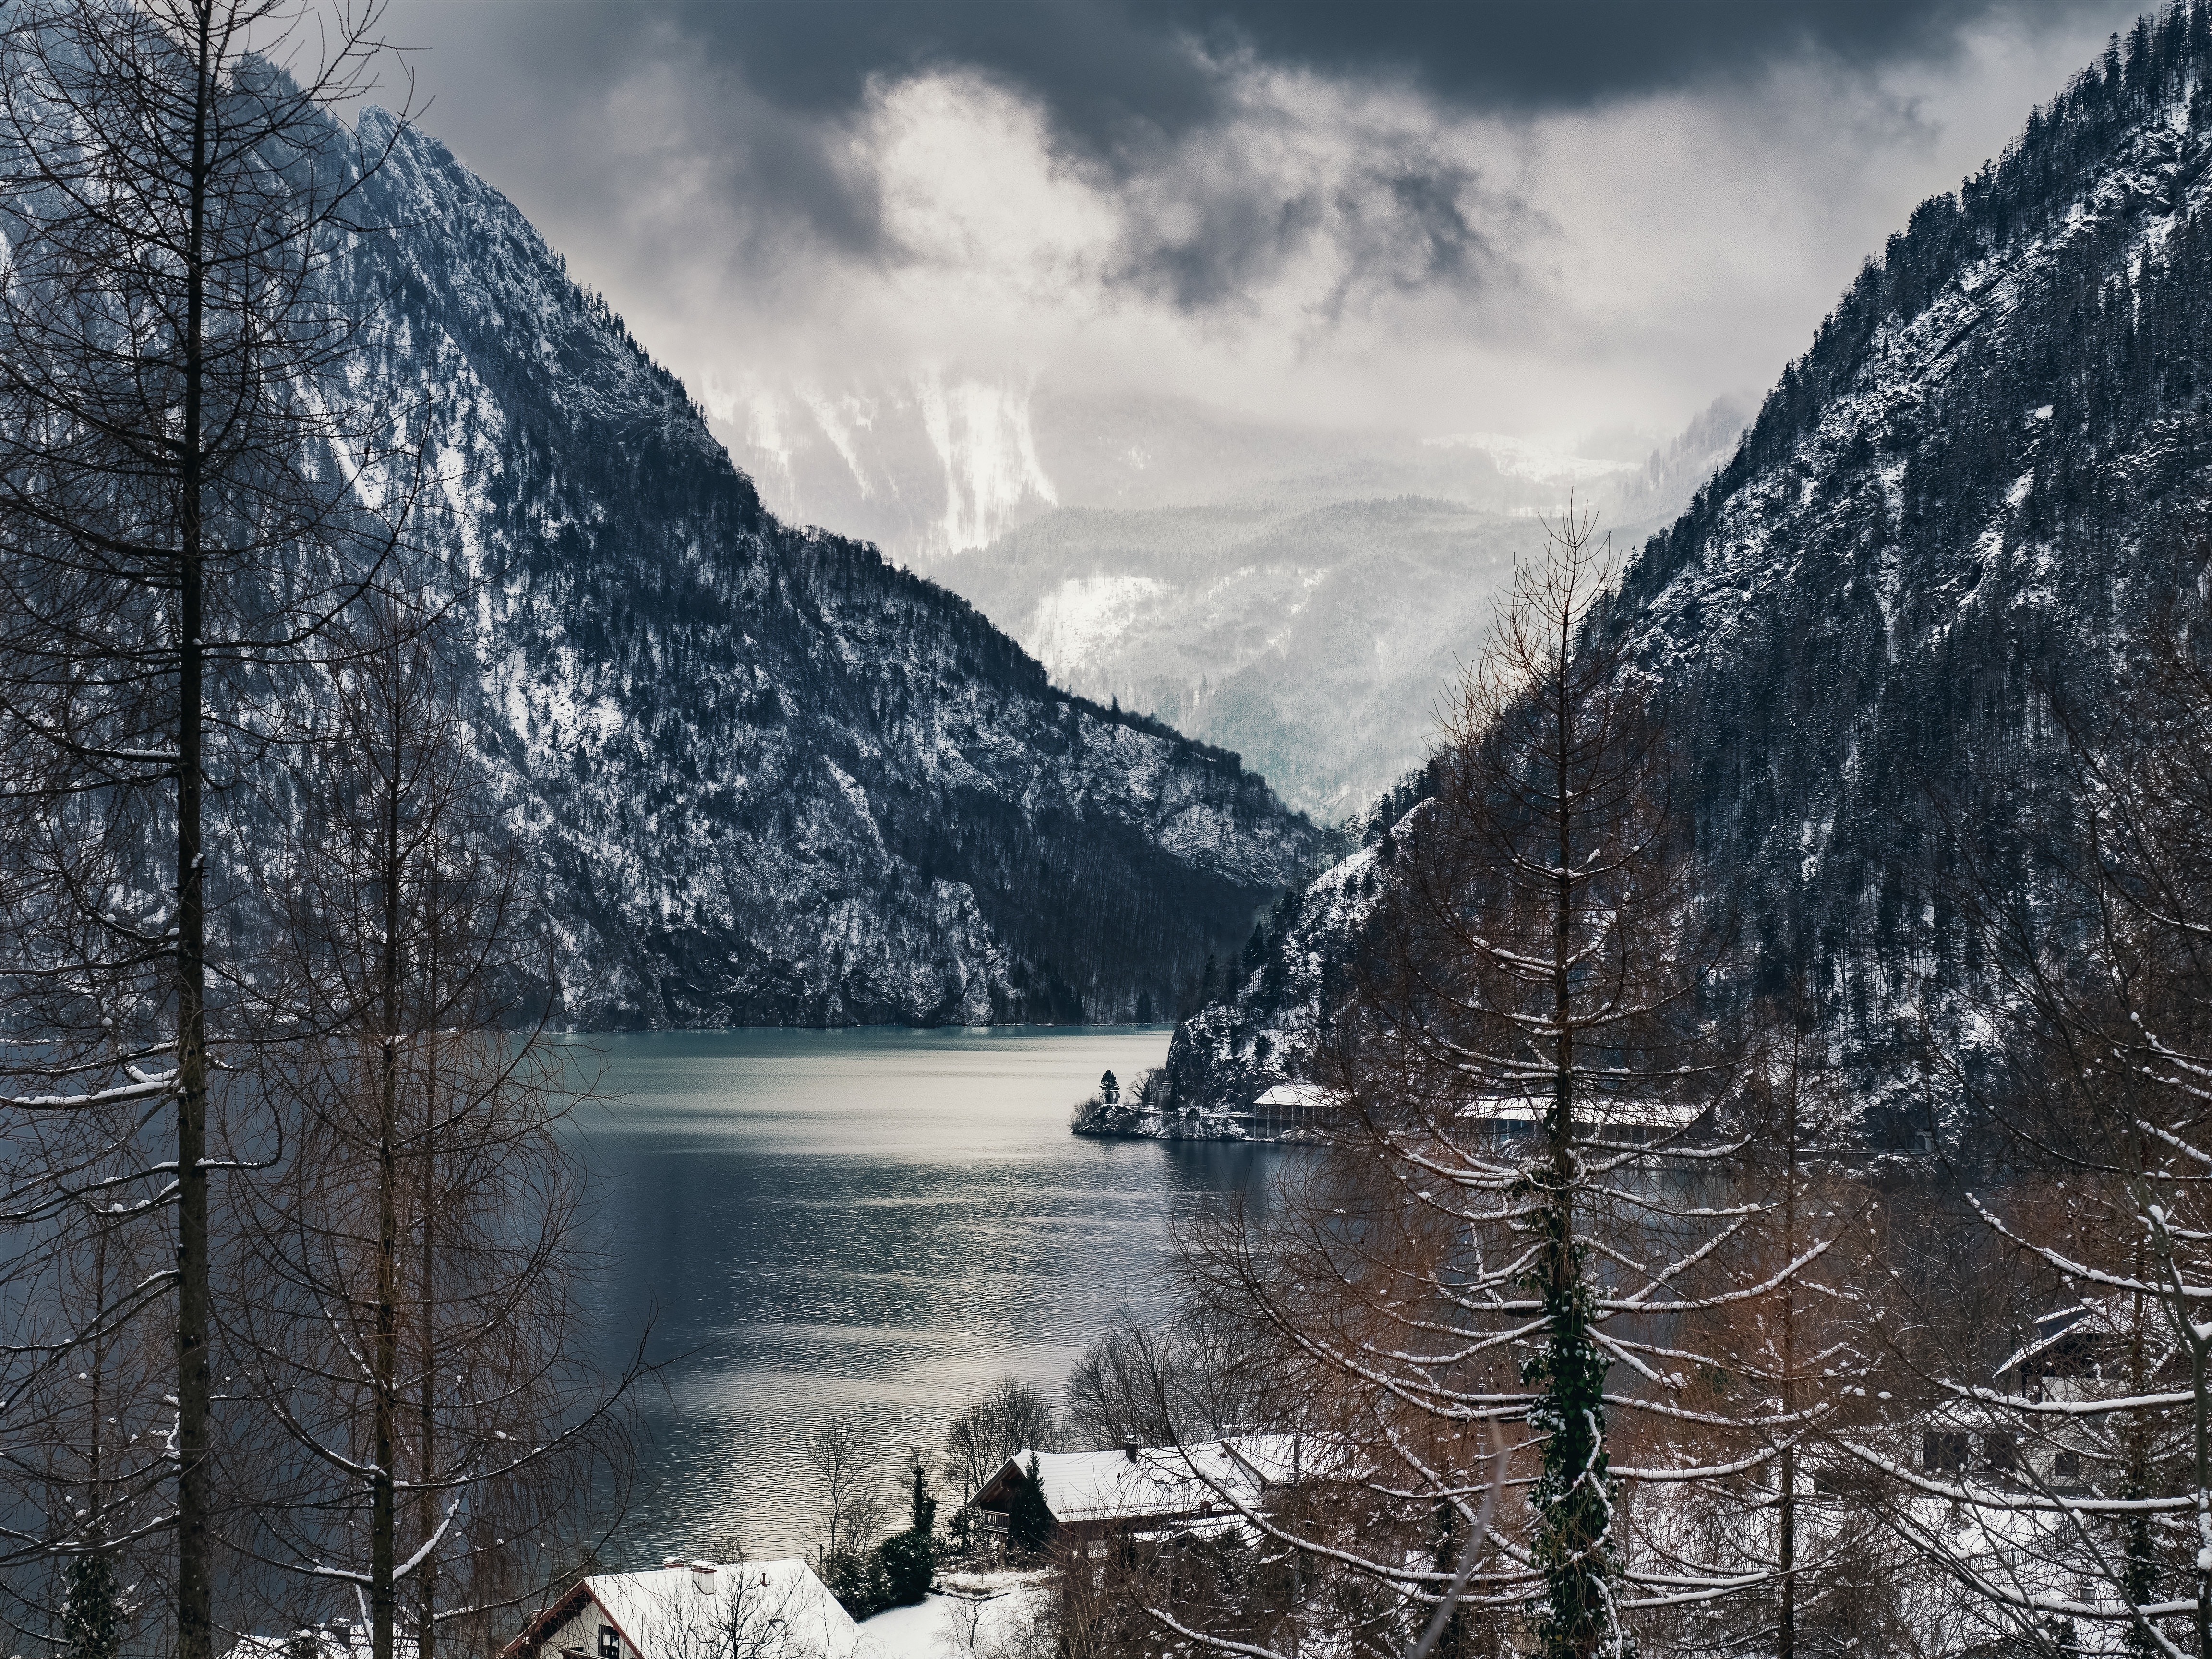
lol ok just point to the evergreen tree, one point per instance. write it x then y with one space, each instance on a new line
92 1611
921 1503
1029 1518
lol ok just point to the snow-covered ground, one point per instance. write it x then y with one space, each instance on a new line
972 1616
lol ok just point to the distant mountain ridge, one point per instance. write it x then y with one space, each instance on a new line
1313 631
763 776
1994 461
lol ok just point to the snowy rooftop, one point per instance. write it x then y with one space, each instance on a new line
674 1610
1147 1483
1305 1095
2095 1329
1524 1111
324 1642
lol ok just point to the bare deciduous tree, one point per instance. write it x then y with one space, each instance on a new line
1012 1417
417 1258
192 486
2082 1442
1532 1205
852 1511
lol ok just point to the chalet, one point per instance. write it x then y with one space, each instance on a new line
2087 1352
1138 1490
693 1610
2032 1431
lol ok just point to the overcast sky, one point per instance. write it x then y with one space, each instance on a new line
1545 220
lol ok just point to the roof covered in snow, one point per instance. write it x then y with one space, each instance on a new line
1524 1111
1150 1483
670 1612
338 1640
1308 1096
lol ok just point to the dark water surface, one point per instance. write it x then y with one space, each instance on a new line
873 1224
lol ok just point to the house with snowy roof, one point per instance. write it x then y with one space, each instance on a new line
1619 1119
1140 1490
1299 1110
693 1610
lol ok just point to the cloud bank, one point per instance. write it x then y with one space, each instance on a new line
1534 221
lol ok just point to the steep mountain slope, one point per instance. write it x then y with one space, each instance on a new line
1988 469
765 777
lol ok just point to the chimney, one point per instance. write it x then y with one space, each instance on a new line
1129 1450
703 1577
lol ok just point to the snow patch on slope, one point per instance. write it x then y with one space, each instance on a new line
1073 623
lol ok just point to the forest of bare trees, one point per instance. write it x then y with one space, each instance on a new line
291 1293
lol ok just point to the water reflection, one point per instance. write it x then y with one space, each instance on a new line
875 1223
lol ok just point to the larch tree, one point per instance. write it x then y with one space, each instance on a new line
413 1340
1534 1201
2081 1444
191 487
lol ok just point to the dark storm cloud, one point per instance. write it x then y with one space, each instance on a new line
1118 73
1400 224
1129 87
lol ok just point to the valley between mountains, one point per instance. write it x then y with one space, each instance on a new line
766 776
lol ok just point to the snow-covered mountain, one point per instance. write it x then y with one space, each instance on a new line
1309 620
1995 459
765 776
935 467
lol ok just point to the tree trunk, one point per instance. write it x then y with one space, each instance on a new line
426 1453
383 1518
195 1387
1785 1640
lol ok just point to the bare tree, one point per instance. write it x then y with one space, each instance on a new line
2082 1442
853 1512
1154 1386
191 488
1011 1417
1535 1199
417 1257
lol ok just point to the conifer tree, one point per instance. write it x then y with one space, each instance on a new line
1028 1517
1533 1199
191 487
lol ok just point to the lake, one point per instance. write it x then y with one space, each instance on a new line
873 1224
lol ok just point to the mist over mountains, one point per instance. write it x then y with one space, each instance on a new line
1299 596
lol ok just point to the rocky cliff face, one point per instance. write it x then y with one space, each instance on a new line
765 776
1992 463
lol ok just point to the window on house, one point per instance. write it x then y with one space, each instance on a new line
609 1643
2000 1450
2067 1465
1943 1450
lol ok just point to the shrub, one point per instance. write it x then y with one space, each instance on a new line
905 1562
857 1581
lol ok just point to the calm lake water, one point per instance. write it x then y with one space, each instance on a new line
873 1223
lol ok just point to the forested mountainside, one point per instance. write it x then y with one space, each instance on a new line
764 777
1992 464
